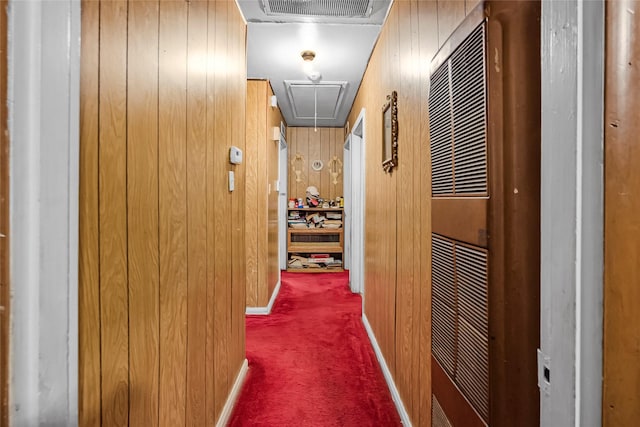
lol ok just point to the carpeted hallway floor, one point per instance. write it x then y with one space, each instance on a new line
311 362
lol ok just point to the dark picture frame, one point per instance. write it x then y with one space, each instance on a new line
390 133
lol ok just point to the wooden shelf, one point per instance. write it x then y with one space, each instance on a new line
316 270
304 248
315 230
316 209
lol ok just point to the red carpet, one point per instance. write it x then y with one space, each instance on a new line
311 362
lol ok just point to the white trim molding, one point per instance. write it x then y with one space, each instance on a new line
233 395
265 310
395 395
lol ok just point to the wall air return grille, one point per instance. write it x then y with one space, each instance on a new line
319 8
438 417
457 120
459 325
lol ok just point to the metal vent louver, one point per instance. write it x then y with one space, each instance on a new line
443 304
459 325
457 120
319 8
438 416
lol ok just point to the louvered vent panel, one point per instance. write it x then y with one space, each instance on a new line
471 270
319 8
472 374
443 324
438 417
469 114
440 132
458 120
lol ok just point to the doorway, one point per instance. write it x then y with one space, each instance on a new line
283 179
354 154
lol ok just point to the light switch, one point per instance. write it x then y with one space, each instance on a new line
232 183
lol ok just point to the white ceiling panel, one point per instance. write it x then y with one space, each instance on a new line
309 100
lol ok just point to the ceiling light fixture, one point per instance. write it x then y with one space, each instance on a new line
308 55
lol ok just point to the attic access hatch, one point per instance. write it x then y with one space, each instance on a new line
304 96
319 8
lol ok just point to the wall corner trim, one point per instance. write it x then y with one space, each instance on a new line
395 395
233 395
265 310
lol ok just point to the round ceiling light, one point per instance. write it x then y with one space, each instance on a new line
308 55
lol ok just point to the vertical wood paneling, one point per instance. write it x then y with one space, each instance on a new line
315 146
211 366
222 212
251 217
427 18
172 211
261 212
89 404
238 96
450 14
142 211
397 217
621 382
262 206
114 300
163 98
197 213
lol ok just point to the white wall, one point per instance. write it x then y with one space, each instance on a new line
572 210
44 42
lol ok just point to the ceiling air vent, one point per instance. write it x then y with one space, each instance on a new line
319 8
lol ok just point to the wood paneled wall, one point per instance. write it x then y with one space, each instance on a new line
621 392
261 209
162 275
325 144
397 211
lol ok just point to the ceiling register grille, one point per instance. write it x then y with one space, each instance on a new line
457 120
319 8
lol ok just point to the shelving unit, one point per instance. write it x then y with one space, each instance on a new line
305 243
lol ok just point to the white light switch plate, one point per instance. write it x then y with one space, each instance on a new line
235 155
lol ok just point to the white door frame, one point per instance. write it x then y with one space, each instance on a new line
357 207
346 256
283 181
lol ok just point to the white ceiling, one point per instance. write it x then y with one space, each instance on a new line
342 46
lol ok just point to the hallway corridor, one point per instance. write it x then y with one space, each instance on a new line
311 362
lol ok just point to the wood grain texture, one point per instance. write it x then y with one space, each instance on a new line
4 242
196 118
222 211
142 211
159 111
261 209
398 206
252 160
427 18
450 14
320 145
172 113
114 300
211 367
89 403
621 400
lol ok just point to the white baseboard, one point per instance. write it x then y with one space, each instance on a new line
267 309
233 395
395 395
